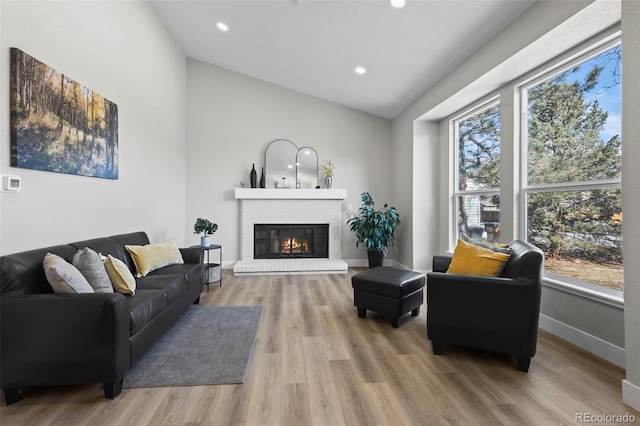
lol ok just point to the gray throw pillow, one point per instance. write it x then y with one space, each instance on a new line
89 264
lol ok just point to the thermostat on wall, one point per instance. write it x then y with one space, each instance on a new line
11 183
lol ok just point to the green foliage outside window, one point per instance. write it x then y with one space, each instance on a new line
568 145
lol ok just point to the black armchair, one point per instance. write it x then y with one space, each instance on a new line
497 314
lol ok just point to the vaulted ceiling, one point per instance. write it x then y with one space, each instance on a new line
314 46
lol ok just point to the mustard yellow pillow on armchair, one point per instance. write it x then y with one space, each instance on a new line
470 259
154 256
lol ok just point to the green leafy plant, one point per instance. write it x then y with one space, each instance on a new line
374 228
204 227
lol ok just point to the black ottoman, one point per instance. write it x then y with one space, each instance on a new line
389 291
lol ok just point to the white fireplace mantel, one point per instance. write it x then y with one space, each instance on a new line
290 194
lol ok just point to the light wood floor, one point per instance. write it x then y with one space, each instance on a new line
316 363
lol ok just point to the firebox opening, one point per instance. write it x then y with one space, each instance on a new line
276 241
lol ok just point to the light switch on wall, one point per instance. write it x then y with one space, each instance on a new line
11 183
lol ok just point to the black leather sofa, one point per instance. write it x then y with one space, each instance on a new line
497 314
52 339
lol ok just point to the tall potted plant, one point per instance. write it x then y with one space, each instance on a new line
206 228
374 228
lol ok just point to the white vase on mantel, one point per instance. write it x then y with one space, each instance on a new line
205 241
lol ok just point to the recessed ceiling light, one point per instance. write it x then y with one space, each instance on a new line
361 70
222 26
397 3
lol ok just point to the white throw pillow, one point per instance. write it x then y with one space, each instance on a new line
63 276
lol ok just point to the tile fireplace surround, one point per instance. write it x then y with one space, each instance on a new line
302 206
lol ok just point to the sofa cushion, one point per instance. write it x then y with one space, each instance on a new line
121 277
91 267
470 259
103 246
150 257
173 286
63 276
192 271
144 306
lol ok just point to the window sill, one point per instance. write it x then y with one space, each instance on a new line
594 292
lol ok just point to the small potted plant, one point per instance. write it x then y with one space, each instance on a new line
328 168
206 228
374 228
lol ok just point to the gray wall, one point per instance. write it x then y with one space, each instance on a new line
122 51
231 119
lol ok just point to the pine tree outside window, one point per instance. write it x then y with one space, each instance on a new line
572 169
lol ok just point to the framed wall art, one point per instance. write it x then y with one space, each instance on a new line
57 124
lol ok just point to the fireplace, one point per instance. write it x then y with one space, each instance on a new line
278 241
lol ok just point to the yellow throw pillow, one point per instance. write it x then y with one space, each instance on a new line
154 256
470 259
121 277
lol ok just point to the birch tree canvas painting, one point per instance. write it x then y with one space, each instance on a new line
58 125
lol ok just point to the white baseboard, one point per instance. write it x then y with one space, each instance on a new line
593 344
631 394
357 263
364 263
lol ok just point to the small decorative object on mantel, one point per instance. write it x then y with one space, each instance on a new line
253 176
206 228
328 169
374 228
262 183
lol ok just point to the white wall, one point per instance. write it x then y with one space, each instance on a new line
122 51
231 119
631 196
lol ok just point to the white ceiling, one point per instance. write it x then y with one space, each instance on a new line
314 46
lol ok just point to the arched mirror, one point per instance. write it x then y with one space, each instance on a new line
281 164
307 163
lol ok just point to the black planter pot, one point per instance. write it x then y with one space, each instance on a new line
375 258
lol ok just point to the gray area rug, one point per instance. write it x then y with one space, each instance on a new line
208 345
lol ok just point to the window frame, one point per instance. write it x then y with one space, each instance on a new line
476 108
590 290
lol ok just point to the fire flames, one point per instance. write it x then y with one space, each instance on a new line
292 245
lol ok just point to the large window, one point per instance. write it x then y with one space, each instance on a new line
477 182
571 180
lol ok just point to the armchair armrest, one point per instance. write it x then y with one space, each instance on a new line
53 339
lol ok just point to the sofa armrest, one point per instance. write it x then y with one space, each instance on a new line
191 254
54 339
